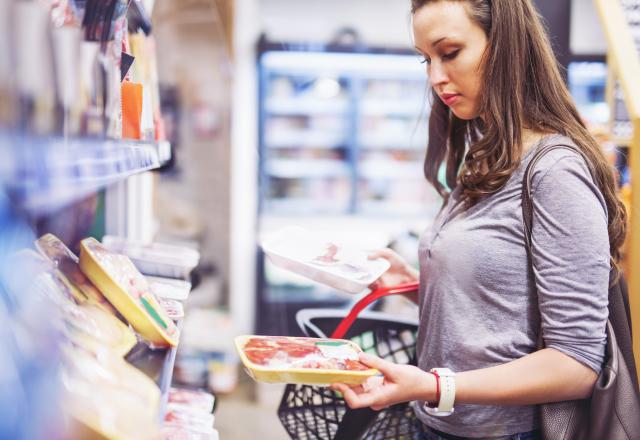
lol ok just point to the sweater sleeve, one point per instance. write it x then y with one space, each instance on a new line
571 263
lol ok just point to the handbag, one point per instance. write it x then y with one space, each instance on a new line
613 410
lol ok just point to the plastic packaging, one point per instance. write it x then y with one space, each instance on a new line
164 260
172 432
169 288
280 359
67 262
173 308
201 400
94 329
86 325
108 396
117 277
200 421
324 261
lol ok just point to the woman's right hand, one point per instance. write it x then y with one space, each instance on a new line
400 272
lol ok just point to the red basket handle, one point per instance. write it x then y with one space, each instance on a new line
348 320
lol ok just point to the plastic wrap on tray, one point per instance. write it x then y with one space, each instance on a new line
280 359
174 308
127 289
328 262
169 288
87 324
93 328
108 397
199 421
67 262
198 399
164 260
171 432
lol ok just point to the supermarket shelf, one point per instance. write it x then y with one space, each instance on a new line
338 64
379 169
382 144
306 206
42 174
158 365
383 208
305 106
395 107
300 168
305 139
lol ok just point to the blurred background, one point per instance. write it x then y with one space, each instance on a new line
181 133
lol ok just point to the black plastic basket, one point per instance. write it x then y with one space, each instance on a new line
312 412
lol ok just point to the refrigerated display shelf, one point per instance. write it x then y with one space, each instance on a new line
388 169
306 206
372 144
294 169
158 364
305 106
43 174
393 107
304 139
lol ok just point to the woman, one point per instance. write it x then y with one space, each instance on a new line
498 97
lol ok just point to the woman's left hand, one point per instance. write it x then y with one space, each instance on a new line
402 383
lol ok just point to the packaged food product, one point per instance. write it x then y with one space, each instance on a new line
93 328
67 262
113 371
281 359
126 288
199 399
173 432
173 308
108 395
327 262
165 260
87 324
200 421
169 288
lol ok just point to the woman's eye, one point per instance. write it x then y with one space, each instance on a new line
425 60
451 55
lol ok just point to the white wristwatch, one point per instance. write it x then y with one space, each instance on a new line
447 386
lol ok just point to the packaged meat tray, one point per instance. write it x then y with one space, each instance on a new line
67 262
311 361
174 308
171 432
197 399
169 288
159 259
325 261
94 329
127 289
176 416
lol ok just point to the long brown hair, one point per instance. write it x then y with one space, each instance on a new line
522 87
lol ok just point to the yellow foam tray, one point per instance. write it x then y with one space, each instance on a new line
140 318
303 376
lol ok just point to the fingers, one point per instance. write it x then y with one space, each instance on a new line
359 400
381 253
385 367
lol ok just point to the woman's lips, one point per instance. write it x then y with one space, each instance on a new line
450 98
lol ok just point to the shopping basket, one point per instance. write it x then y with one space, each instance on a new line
312 412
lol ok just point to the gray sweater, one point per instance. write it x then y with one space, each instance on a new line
478 306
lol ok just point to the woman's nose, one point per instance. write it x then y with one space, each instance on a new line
437 74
